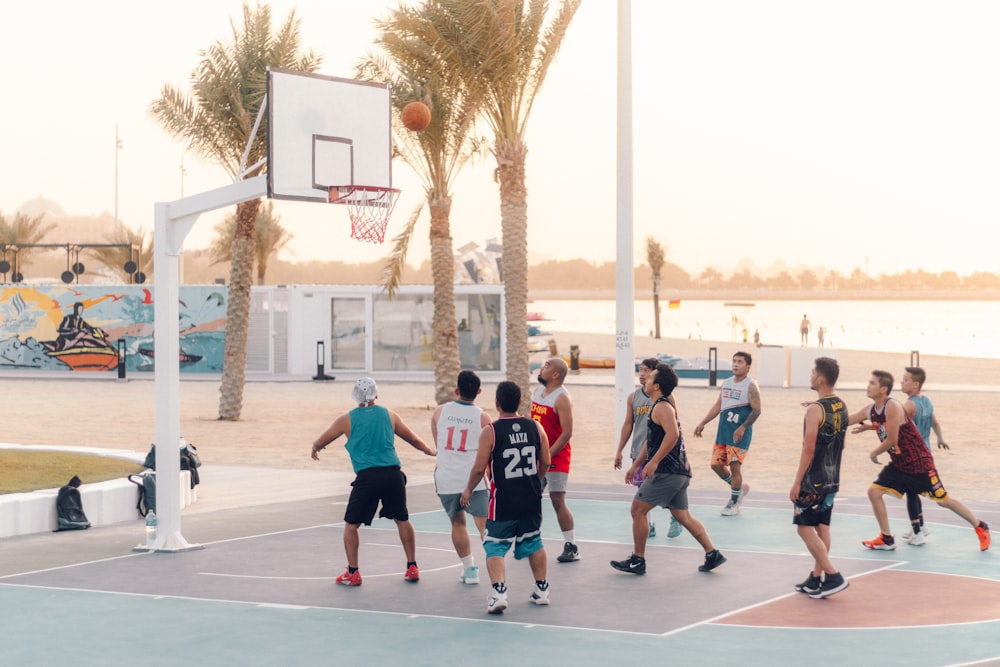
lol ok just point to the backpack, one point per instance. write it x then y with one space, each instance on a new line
69 507
147 492
190 461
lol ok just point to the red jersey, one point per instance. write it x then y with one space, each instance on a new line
543 411
910 454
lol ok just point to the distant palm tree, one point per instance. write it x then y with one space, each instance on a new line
656 257
134 246
216 121
405 59
505 47
269 238
19 234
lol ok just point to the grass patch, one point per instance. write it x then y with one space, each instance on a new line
23 471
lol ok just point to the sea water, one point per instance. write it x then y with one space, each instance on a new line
956 328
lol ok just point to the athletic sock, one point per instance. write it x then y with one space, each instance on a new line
500 587
351 570
468 561
411 563
728 479
916 526
736 495
569 536
542 585
888 539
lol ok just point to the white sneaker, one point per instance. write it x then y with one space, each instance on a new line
744 490
731 509
917 540
540 596
496 602
923 531
470 575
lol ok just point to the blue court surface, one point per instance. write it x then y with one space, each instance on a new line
262 592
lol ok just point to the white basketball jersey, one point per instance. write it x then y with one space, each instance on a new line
458 430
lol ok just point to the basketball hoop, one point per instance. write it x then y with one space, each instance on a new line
369 207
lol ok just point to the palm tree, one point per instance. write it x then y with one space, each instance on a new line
269 238
133 246
216 121
656 257
22 232
404 59
505 47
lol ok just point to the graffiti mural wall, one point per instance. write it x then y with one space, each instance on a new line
77 327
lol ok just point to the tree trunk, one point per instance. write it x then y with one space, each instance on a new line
238 313
656 312
446 359
511 154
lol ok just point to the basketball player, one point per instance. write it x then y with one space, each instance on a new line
739 406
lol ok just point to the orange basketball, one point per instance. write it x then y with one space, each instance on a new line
416 116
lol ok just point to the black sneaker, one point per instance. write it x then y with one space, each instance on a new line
713 559
810 585
634 564
570 553
832 584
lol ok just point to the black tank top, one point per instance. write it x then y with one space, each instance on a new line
823 474
515 490
676 460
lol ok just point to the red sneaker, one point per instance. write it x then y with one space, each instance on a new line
412 573
983 533
880 544
348 579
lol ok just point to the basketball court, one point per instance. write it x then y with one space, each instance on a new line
262 592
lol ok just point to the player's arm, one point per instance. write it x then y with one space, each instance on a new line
340 426
400 428
754 400
626 431
712 414
859 418
894 418
564 411
910 408
482 460
544 452
810 429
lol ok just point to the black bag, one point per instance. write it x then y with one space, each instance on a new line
147 492
69 507
190 461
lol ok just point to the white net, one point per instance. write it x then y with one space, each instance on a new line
369 208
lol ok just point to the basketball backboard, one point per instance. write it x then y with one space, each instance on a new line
326 131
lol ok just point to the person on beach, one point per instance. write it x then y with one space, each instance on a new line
666 475
738 407
455 427
920 409
911 465
370 431
636 417
804 326
552 407
514 456
817 479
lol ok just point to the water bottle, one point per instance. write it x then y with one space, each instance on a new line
150 530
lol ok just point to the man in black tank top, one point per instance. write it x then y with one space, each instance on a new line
817 479
514 456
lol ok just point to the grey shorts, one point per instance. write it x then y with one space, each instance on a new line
479 503
556 482
665 490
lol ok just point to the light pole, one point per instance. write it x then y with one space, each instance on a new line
118 147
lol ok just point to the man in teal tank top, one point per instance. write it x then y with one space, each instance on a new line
920 409
370 430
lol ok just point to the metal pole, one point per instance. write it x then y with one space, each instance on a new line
118 147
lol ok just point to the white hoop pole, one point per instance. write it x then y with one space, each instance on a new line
624 272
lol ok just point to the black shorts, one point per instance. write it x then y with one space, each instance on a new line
812 509
373 485
895 481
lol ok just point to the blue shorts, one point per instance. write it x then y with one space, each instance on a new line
524 533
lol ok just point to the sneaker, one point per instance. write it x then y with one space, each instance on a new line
652 529
917 539
731 509
909 534
412 573
832 584
713 559
744 490
496 602
879 544
470 575
539 595
634 564
348 579
675 528
811 585
569 554
983 533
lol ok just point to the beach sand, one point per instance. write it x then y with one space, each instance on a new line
282 419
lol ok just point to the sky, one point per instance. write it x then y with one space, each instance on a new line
832 136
